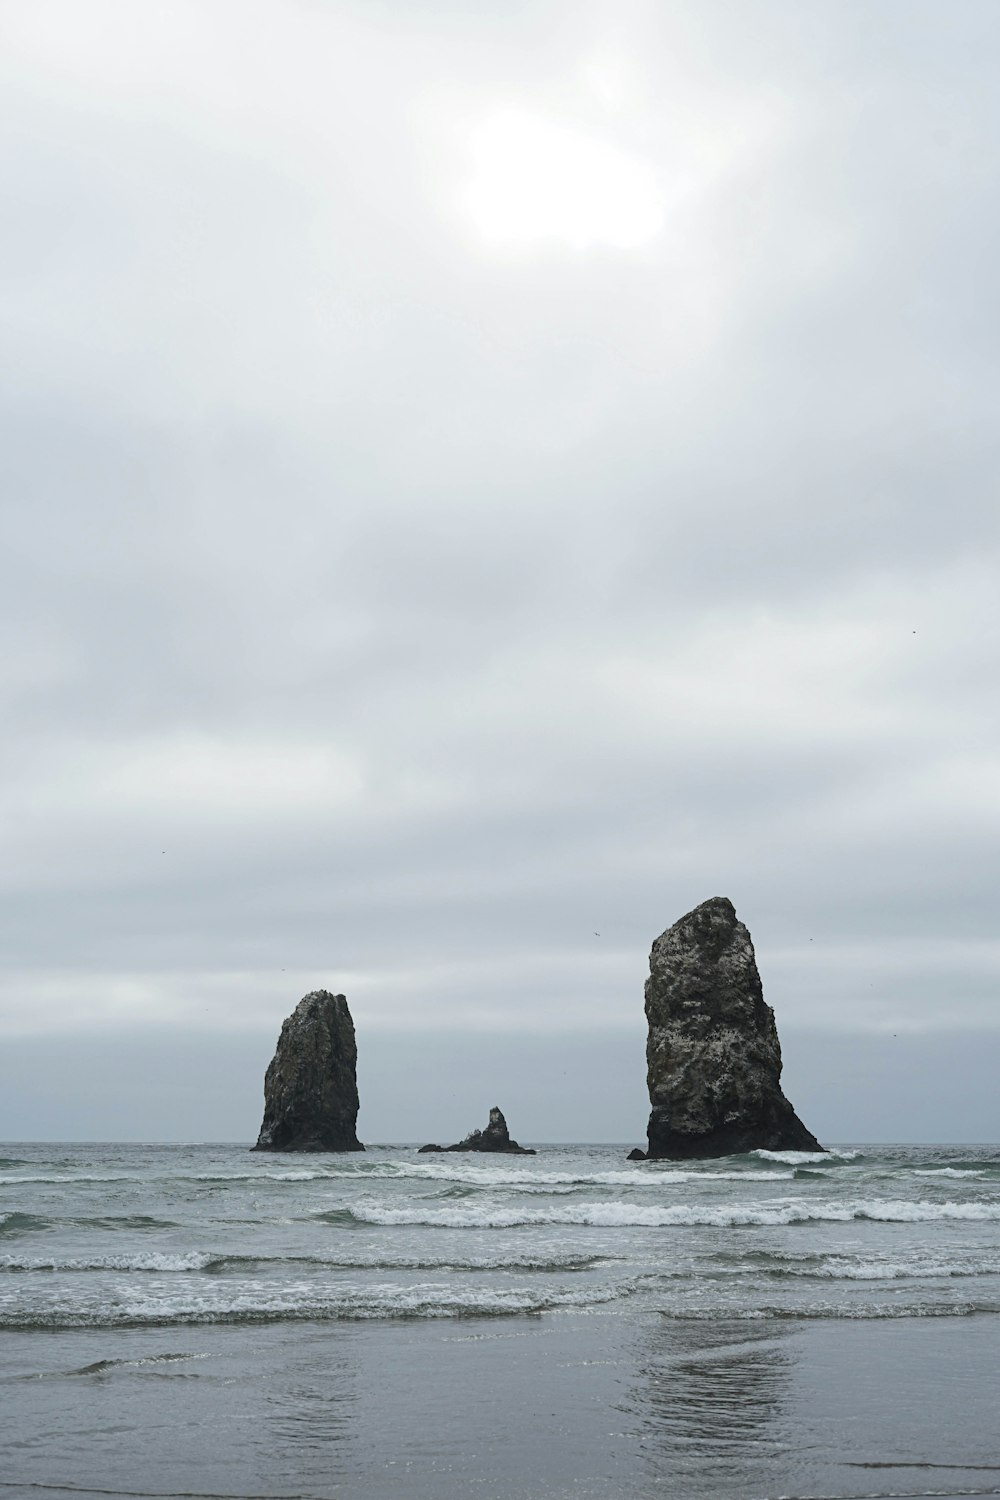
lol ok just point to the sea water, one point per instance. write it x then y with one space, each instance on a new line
202 1320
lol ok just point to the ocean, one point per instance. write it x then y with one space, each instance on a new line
199 1320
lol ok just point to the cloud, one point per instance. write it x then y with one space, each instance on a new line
388 610
537 180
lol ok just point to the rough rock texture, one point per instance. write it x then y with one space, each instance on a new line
713 1057
496 1137
311 1088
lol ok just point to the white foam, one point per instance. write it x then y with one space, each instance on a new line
252 1302
857 1312
298 1175
624 1215
193 1260
81 1179
945 1172
19 1179
895 1211
801 1158
840 1268
498 1176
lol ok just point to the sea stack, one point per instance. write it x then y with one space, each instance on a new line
311 1086
496 1137
713 1056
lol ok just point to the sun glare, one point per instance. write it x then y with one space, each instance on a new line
534 180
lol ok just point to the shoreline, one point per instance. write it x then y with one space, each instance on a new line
560 1404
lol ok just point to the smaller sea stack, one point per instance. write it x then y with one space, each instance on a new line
311 1086
713 1056
496 1137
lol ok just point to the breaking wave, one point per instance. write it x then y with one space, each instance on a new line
129 1236
947 1172
495 1174
204 1261
918 1267
631 1215
799 1158
348 1303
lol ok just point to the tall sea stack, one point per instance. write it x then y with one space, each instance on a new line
713 1056
311 1086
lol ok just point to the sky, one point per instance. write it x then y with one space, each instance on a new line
477 481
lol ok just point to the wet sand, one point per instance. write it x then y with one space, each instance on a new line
593 1406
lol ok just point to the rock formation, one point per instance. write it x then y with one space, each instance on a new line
713 1057
496 1137
311 1088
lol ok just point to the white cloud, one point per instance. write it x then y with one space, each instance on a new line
535 180
436 600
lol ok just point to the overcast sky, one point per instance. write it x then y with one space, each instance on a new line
479 480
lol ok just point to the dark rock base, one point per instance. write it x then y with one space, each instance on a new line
512 1149
782 1134
495 1138
297 1143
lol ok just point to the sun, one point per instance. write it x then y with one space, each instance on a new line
535 180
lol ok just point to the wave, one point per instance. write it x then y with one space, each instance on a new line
118 1221
82 1179
193 1260
18 1223
105 1366
300 1304
834 1312
840 1269
216 1264
256 1305
974 1163
492 1173
76 1179
860 1268
616 1215
652 1175
947 1172
771 1266
800 1158
293 1174
71 1178
21 1223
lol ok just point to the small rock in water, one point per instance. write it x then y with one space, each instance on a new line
311 1088
496 1137
713 1056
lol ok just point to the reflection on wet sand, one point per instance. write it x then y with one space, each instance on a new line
309 1418
712 1399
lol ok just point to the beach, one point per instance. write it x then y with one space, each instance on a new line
196 1321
